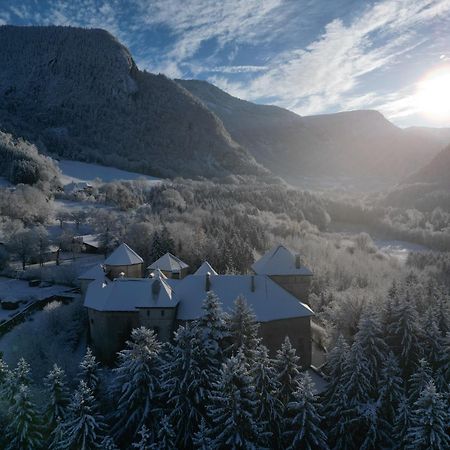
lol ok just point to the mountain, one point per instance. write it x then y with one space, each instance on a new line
349 144
77 93
437 171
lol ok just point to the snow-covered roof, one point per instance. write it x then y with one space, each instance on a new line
94 273
90 239
279 261
168 263
76 186
204 269
123 256
268 300
130 294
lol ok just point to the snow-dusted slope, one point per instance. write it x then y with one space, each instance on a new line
76 171
350 144
78 93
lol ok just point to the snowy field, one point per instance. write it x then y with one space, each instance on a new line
76 171
11 289
399 249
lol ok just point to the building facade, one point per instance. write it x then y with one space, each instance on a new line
119 298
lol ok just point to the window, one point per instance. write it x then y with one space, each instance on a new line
92 321
162 312
148 313
156 330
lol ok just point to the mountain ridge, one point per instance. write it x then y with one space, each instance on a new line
77 93
344 144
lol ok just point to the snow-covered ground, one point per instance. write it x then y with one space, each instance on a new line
76 171
11 289
398 249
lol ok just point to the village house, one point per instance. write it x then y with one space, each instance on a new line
119 297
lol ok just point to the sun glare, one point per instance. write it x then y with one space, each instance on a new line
433 94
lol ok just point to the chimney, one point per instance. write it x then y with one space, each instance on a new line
208 282
297 261
252 283
156 287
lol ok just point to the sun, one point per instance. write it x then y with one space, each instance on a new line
433 94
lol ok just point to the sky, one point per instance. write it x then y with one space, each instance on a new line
310 56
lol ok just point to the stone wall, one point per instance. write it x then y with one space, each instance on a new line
109 330
297 285
298 329
161 320
133 271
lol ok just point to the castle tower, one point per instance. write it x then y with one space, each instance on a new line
124 260
170 266
286 269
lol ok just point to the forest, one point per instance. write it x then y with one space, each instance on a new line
384 324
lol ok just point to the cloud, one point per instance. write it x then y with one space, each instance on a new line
237 69
322 75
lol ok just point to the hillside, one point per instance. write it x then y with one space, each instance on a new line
77 93
437 171
354 144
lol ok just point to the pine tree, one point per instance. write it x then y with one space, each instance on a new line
287 364
402 423
391 393
166 436
89 370
403 334
212 332
432 338
201 439
4 370
24 428
370 338
84 426
21 375
57 396
334 369
418 380
180 384
243 330
429 420
136 382
232 412
269 408
145 439
302 421
108 444
443 372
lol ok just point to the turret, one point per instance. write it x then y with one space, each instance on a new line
124 260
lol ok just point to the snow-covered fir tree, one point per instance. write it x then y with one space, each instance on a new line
429 421
443 372
166 437
287 365
232 412
84 427
21 375
212 331
334 369
109 444
403 334
90 370
390 394
24 430
402 423
181 387
57 396
4 370
269 408
370 338
302 421
243 329
145 439
418 380
201 439
432 338
136 383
